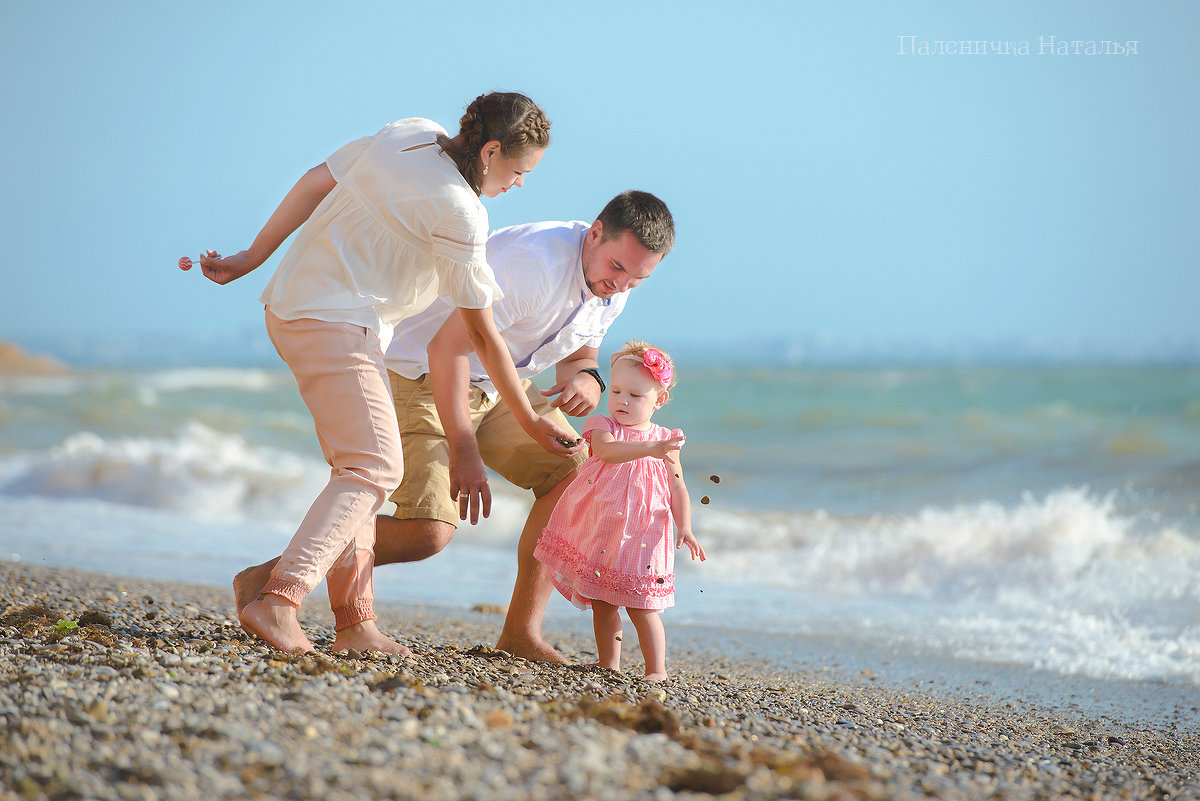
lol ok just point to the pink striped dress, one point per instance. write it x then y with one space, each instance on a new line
610 535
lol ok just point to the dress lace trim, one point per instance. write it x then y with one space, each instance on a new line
568 560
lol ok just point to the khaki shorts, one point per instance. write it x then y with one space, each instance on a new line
503 444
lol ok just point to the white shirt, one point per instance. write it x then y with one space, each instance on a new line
547 312
401 227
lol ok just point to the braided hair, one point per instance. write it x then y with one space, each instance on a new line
510 118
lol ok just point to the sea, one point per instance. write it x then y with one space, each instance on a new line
1041 518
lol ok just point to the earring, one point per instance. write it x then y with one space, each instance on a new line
485 169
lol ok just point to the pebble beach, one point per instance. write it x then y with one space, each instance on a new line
117 688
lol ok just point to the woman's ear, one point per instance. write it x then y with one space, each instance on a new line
489 150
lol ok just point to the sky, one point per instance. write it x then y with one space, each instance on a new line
841 179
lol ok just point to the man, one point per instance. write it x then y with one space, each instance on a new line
564 284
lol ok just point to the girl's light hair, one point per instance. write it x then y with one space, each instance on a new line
637 349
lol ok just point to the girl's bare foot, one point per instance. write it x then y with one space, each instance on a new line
249 583
656 677
273 619
534 650
598 666
366 636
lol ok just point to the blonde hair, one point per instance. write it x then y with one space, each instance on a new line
636 349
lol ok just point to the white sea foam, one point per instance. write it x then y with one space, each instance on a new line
206 474
201 471
1061 582
48 384
1070 540
184 379
201 505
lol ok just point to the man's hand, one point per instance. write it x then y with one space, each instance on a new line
578 396
469 484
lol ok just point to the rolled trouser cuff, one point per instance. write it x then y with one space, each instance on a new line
291 590
357 612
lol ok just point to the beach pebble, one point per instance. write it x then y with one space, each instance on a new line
206 713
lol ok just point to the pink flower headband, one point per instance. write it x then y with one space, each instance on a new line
654 361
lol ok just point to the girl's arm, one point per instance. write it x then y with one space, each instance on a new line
681 511
607 449
293 211
492 351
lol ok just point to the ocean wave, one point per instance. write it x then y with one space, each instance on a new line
201 471
1067 538
209 475
70 384
1061 582
1077 643
186 379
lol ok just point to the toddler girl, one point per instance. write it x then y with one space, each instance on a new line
608 543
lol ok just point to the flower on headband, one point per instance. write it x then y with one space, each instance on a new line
657 364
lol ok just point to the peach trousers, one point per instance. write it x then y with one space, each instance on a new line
340 372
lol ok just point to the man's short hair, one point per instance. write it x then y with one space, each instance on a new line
644 216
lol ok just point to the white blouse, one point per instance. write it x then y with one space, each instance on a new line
400 228
547 312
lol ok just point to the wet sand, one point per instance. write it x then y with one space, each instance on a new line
132 689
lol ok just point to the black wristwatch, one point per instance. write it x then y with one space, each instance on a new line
595 373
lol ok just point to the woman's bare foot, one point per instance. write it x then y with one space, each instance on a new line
273 619
656 677
533 650
366 636
249 583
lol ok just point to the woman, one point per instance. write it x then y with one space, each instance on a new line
390 222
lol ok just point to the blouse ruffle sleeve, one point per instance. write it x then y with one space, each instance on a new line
460 257
344 158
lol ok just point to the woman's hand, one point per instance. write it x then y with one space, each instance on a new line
293 210
223 269
553 438
469 483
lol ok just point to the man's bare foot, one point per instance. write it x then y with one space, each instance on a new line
656 677
273 619
533 650
366 636
249 583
